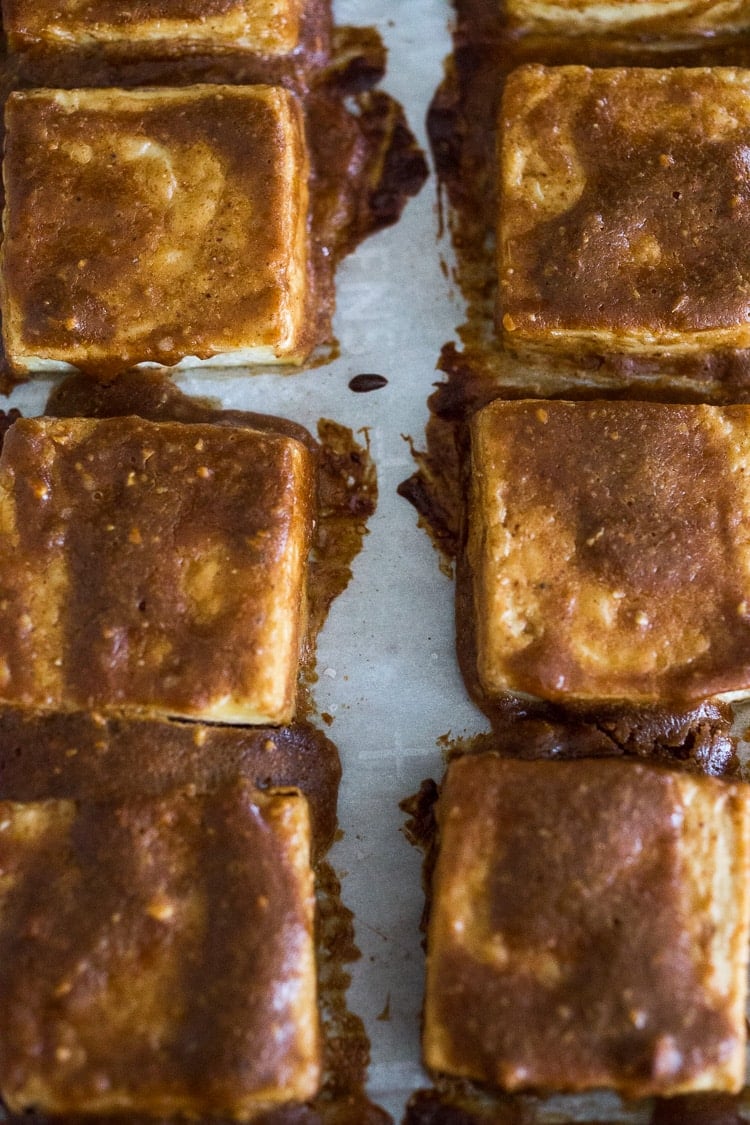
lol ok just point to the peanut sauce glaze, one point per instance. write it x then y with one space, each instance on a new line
648 505
84 755
463 130
358 184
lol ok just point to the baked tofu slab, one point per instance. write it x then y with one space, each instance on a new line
588 928
624 209
608 550
669 19
155 225
155 567
157 956
268 27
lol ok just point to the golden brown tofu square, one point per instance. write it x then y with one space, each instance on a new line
624 215
609 550
664 18
268 27
155 225
154 567
589 927
157 956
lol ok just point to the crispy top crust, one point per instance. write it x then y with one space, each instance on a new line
156 566
589 927
609 550
657 17
155 224
157 956
625 207
265 26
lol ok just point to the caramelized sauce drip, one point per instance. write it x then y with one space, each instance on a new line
362 384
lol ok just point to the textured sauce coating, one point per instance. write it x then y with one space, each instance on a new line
364 160
346 480
462 124
462 127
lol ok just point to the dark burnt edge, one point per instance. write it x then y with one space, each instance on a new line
399 168
7 418
341 505
460 1103
359 59
456 1102
346 1053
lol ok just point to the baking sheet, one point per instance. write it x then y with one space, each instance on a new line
386 665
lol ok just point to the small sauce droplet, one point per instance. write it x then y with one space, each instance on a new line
361 384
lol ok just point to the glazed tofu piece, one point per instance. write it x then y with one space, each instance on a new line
608 552
155 225
111 756
588 928
268 27
624 214
670 19
153 567
157 956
